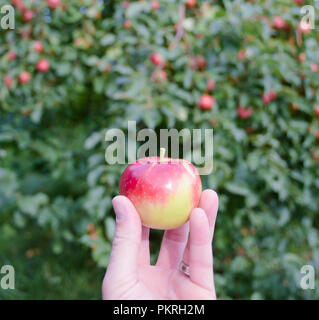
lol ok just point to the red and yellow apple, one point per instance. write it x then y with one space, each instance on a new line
164 191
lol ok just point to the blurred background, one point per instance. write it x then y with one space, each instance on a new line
72 69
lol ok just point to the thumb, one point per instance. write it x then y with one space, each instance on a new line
127 240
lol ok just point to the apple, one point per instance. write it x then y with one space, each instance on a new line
19 4
266 98
210 85
241 54
159 75
317 134
279 23
156 59
8 81
314 67
43 65
272 95
316 111
127 24
38 46
27 15
24 77
200 61
269 96
54 3
206 102
302 57
304 27
244 113
164 191
12 55
155 5
190 3
125 4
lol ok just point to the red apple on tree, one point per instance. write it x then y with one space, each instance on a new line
27 15
54 3
38 46
164 191
316 111
159 75
156 59
24 77
302 57
127 24
8 81
200 61
269 96
19 4
206 102
272 94
304 27
125 4
266 98
241 54
155 5
210 85
12 55
279 23
43 65
244 113
190 3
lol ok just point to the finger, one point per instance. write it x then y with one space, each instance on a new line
209 203
127 239
200 250
144 253
173 246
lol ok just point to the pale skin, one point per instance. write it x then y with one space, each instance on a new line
130 274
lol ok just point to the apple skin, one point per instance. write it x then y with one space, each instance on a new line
12 55
163 193
24 77
206 102
279 23
27 15
43 65
53 4
38 46
127 24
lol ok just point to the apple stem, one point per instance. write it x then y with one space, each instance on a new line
162 154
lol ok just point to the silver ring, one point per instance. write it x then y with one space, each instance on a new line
184 268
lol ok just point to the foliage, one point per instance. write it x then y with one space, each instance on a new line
53 173
41 275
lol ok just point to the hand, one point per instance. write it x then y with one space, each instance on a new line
130 275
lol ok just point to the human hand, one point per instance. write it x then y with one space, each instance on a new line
130 274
